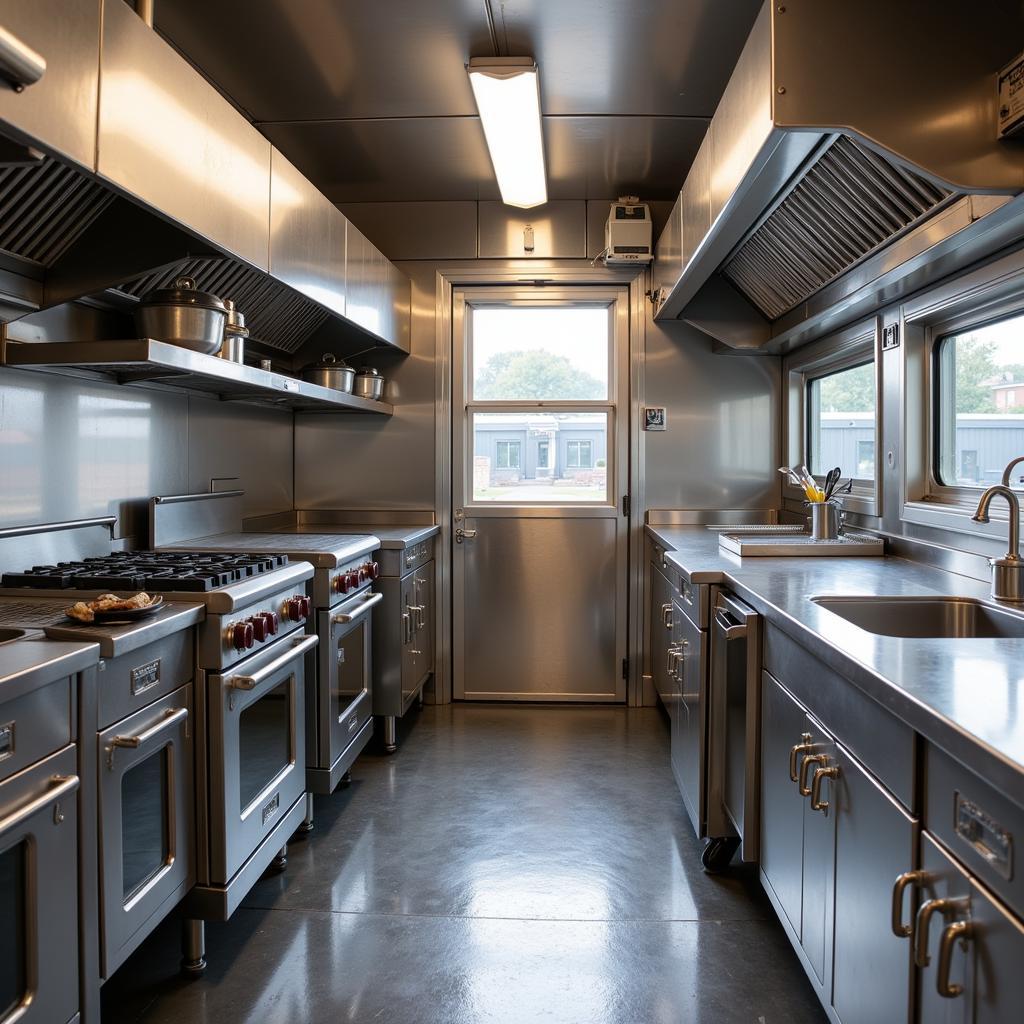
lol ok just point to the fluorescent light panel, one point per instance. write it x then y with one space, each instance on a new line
507 92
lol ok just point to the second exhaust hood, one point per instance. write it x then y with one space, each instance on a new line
841 169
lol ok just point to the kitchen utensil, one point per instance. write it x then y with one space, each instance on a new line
330 372
369 384
791 476
831 479
825 524
811 488
183 316
235 333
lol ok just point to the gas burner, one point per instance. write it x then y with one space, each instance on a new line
148 570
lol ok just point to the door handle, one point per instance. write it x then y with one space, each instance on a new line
899 929
464 535
947 908
65 784
805 790
666 615
260 675
367 604
171 717
803 747
817 804
961 931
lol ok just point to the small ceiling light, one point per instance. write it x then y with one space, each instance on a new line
507 92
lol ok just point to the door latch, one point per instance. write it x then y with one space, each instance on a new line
462 535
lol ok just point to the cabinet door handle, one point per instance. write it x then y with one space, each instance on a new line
670 659
805 790
803 747
948 908
960 931
817 804
666 615
899 929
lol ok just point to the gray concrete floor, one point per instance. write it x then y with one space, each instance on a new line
508 865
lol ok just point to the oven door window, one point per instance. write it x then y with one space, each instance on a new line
264 741
350 682
145 843
13 928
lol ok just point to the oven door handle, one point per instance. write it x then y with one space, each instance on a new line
261 675
66 785
171 717
367 604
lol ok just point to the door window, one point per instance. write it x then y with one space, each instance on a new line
264 741
13 928
145 845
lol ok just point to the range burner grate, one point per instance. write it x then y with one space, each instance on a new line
148 570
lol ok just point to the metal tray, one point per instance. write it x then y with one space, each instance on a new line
801 545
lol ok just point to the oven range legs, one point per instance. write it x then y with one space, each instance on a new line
421 697
307 822
390 734
280 862
193 947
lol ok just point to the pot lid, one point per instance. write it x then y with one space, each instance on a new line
328 361
184 293
369 371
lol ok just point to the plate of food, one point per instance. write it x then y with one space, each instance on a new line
111 608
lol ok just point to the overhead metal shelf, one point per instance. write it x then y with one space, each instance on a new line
145 361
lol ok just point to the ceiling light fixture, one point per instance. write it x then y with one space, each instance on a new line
507 92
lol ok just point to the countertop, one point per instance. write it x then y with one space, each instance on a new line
34 661
965 695
391 537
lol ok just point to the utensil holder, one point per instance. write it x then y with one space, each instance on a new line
825 521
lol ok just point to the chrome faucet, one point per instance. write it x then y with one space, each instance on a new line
1008 571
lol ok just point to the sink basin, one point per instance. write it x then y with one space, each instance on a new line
925 617
7 635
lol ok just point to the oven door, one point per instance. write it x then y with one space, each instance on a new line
256 750
39 892
147 815
346 702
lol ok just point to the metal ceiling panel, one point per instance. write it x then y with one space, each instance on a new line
439 159
405 58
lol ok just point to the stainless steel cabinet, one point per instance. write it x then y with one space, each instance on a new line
307 236
167 137
59 110
660 632
689 665
378 295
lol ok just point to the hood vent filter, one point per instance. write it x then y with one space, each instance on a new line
848 204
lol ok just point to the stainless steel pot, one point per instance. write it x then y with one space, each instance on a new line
183 316
369 384
330 372
235 333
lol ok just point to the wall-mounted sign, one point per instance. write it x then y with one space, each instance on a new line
655 417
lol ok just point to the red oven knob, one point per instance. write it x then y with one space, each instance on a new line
307 607
241 635
374 570
259 628
297 608
343 582
272 621
363 573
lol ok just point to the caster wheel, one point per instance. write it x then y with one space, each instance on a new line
717 854
347 779
278 864
305 828
193 968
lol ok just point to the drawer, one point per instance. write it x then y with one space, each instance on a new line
35 725
978 824
879 740
131 681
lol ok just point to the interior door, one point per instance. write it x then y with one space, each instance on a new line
540 401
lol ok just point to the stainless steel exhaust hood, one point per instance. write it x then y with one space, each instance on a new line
840 171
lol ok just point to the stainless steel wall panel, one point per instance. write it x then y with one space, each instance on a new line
307 236
418 231
167 137
696 200
668 250
58 111
559 231
375 290
343 463
722 443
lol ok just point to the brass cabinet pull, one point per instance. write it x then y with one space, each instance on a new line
960 931
805 790
899 929
666 615
803 747
948 908
817 804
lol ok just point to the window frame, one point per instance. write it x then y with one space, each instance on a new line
510 446
857 345
579 443
992 292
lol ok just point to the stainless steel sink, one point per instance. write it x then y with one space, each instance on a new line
925 617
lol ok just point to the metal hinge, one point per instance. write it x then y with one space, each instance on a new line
626 510
625 669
